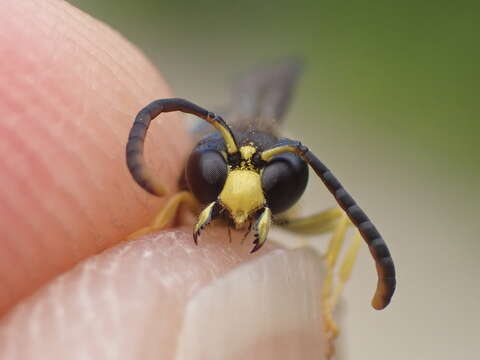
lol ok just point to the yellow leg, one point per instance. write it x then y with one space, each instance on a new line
168 213
334 247
315 224
331 294
333 221
346 267
336 242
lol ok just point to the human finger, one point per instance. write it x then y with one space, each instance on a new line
162 297
69 91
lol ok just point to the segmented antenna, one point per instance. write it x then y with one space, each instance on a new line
378 248
136 139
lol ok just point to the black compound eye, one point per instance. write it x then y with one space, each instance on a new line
284 180
206 173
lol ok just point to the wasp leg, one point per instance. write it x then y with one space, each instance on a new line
333 221
168 213
346 267
331 256
316 224
331 294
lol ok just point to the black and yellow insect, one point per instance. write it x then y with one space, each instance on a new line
245 174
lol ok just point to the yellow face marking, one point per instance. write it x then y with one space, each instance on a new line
247 152
242 194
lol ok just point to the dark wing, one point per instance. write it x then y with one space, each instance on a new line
261 98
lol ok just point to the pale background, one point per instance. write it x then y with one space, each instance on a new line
389 102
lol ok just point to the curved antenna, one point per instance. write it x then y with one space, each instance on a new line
134 152
378 248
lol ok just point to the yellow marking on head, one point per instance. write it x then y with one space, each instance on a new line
242 194
247 152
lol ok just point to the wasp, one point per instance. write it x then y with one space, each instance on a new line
246 174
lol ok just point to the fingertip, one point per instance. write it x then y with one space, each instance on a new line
70 89
163 297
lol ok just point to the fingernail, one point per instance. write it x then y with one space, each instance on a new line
268 308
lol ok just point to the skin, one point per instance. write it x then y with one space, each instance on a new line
66 106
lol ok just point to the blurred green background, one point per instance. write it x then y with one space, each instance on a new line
389 101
